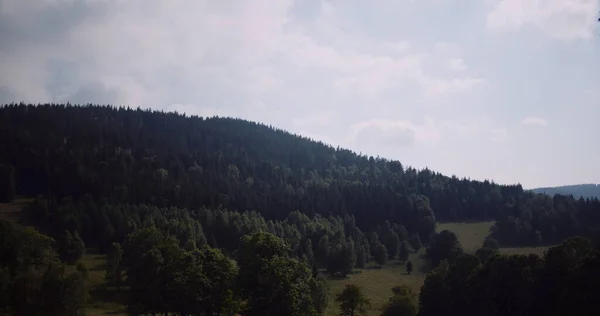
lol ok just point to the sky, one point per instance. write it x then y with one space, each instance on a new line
487 89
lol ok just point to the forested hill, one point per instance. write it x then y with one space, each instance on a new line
123 156
577 190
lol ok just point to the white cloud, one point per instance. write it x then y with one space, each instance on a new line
156 53
499 134
456 64
534 121
393 133
565 19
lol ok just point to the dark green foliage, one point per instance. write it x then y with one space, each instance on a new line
390 239
444 246
489 248
33 282
342 257
7 183
114 270
380 255
491 243
308 251
273 282
415 242
169 187
403 303
540 219
164 278
404 252
70 247
323 251
320 293
484 253
121 156
362 255
409 267
564 281
352 301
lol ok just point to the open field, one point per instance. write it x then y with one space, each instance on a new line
378 283
103 300
11 212
470 235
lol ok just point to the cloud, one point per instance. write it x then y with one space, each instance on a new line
456 64
157 53
393 133
499 134
534 121
564 19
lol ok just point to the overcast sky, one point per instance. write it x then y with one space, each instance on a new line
505 90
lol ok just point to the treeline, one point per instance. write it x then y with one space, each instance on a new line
333 243
163 278
122 156
157 276
541 219
564 281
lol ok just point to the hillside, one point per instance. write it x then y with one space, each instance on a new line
577 190
202 216
124 156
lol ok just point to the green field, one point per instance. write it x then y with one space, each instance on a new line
11 212
470 235
103 300
378 283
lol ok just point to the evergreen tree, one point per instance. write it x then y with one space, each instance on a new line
409 267
114 274
352 301
403 303
380 255
415 242
7 183
404 252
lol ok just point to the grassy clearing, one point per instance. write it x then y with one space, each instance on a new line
377 283
470 235
11 212
103 300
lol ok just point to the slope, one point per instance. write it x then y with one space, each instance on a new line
124 156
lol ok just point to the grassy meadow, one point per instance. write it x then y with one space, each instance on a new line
378 283
470 235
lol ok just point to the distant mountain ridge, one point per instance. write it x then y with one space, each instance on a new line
577 190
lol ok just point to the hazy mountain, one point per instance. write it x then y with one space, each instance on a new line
577 190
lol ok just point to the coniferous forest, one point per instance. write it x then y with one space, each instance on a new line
221 216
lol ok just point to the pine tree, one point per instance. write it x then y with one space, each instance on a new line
404 252
7 183
114 272
415 242
380 255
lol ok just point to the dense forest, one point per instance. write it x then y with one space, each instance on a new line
122 156
577 190
221 216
